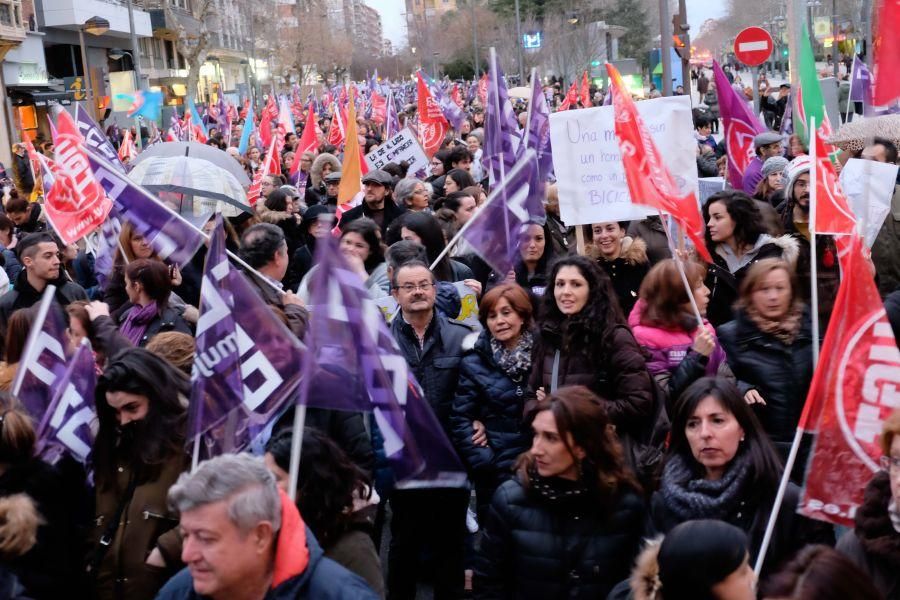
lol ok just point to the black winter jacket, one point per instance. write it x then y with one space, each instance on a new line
347 429
23 295
487 394
436 364
391 212
535 548
780 373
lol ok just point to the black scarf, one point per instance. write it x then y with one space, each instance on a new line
691 498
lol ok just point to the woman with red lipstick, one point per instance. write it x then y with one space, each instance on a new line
570 523
721 465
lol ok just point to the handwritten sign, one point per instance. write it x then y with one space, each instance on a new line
468 313
403 146
588 164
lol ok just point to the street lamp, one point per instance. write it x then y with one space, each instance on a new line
94 26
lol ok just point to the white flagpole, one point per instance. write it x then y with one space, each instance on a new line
28 358
849 100
684 280
814 309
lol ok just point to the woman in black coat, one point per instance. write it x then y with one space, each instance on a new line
736 238
623 258
570 523
720 465
278 209
769 349
486 418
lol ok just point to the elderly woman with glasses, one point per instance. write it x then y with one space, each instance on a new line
413 194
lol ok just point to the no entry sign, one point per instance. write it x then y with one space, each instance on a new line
753 46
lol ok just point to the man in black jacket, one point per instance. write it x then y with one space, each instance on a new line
432 345
377 202
39 255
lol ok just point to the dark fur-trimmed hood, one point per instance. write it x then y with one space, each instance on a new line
874 530
634 251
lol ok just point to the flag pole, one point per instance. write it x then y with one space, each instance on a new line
679 263
28 358
849 101
813 261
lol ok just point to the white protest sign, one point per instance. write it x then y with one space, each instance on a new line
871 206
588 164
403 146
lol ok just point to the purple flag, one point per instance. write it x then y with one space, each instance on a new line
740 126
495 229
103 243
538 130
69 423
860 81
247 364
223 121
355 364
391 121
43 361
501 131
95 139
453 113
168 233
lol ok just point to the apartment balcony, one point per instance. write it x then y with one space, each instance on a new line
12 28
71 14
165 24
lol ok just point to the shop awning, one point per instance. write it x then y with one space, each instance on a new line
39 96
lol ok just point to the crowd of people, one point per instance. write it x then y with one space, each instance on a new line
615 447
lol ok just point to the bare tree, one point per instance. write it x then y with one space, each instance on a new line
193 41
569 48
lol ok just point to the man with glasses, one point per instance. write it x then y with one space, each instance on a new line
432 345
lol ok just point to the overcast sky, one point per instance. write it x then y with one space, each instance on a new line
395 26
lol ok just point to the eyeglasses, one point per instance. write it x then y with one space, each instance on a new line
409 288
890 463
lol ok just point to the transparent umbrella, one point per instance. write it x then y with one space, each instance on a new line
217 157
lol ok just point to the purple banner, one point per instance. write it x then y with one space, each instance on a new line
453 113
538 131
495 229
247 364
95 139
739 125
355 364
501 131
69 424
171 236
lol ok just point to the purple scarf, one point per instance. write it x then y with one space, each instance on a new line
135 324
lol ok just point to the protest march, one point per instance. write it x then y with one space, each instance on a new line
506 336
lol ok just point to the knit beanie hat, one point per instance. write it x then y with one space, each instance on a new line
774 164
794 169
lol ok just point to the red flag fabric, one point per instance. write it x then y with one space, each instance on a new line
456 95
266 120
833 212
432 124
127 150
854 388
482 89
379 108
255 190
571 98
887 54
245 109
76 204
308 141
648 178
585 91
335 130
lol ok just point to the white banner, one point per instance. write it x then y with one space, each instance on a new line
588 164
403 146
869 187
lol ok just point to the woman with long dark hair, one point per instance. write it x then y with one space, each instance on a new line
623 258
148 285
532 263
424 229
583 340
138 454
736 238
721 465
335 498
570 523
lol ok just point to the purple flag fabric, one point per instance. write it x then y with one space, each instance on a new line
43 361
861 81
739 125
538 131
247 365
69 423
495 229
355 364
391 120
223 121
95 139
103 243
453 113
168 233
501 131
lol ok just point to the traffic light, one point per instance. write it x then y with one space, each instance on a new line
680 39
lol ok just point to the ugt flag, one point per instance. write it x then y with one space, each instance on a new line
432 124
354 364
69 425
495 229
830 212
247 365
648 178
854 389
740 125
76 204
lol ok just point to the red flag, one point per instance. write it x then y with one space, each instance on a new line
335 130
379 108
887 54
308 141
245 109
456 95
854 388
482 89
432 124
255 190
76 204
585 91
832 211
268 116
648 178
127 151
571 98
